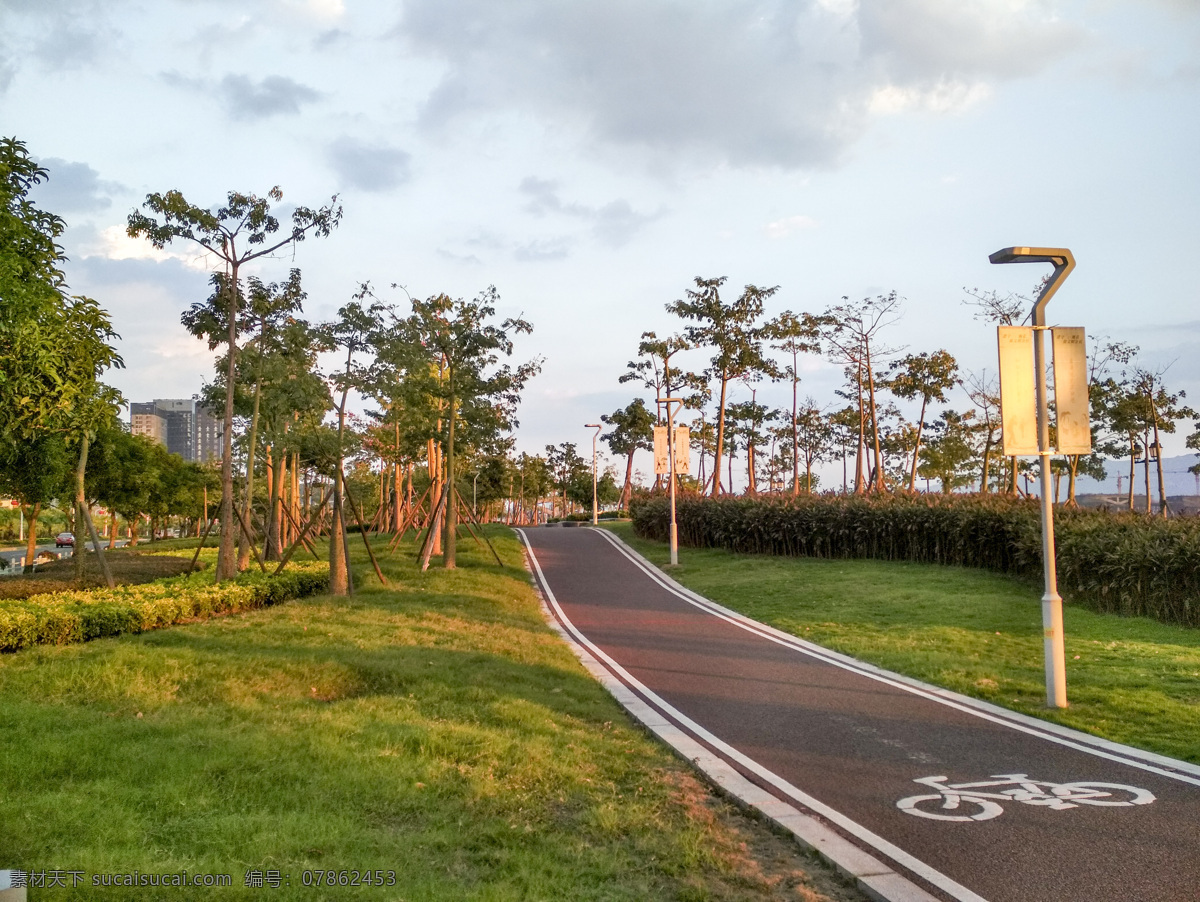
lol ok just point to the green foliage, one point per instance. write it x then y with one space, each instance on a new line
52 345
1119 563
78 616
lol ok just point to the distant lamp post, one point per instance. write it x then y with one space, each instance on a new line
672 466
595 435
1052 622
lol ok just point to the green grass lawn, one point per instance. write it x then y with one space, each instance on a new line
437 732
1132 680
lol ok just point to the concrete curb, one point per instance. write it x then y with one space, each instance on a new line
876 879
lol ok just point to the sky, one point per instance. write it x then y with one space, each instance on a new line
591 160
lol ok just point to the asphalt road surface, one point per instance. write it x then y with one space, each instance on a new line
15 554
849 744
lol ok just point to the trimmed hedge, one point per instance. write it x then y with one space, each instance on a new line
1119 563
78 616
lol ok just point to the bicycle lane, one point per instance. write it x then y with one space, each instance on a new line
846 742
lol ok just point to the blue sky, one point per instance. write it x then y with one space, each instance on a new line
591 159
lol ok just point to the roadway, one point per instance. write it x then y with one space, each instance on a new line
15 554
848 743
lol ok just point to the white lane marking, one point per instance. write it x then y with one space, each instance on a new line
780 638
915 865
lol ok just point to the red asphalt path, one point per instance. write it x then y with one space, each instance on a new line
845 742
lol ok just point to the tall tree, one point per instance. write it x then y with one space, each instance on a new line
925 376
795 335
479 394
951 454
352 332
653 368
814 437
633 430
984 392
241 231
734 332
851 332
1161 412
752 419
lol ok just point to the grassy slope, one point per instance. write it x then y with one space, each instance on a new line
438 729
1132 680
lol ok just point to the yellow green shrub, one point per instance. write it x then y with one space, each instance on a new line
59 618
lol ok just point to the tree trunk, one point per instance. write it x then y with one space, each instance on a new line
1132 468
451 543
716 489
339 562
226 554
1163 507
987 459
244 543
912 476
31 539
627 491
795 425
859 463
751 481
276 472
877 482
1146 472
80 534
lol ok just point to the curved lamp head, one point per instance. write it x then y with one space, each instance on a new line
1063 262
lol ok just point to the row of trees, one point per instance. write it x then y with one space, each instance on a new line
295 458
866 425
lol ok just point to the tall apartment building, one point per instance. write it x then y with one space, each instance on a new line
184 425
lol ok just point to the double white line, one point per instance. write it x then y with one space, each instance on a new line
878 879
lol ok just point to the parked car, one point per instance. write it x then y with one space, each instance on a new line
64 538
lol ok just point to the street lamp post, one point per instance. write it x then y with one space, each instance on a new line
1052 619
595 435
671 474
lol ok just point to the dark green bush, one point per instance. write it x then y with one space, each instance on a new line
1123 563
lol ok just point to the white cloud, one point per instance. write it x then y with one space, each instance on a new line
780 82
945 97
781 228
321 10
113 243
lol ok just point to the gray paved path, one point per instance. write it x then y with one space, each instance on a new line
847 743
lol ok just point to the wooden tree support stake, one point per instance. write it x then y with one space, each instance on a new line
287 555
307 544
434 524
203 539
87 518
409 521
471 518
249 539
362 532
